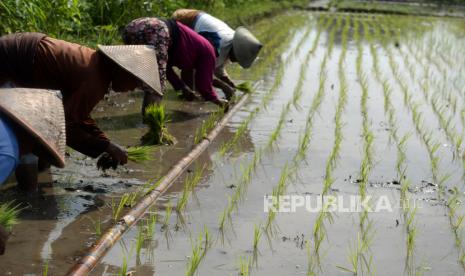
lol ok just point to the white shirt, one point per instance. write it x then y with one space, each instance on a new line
208 23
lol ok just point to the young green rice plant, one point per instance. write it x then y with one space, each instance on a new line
155 118
353 257
190 183
199 249
166 220
245 87
45 269
150 224
9 214
123 271
256 236
140 154
98 227
140 238
244 266
208 125
117 207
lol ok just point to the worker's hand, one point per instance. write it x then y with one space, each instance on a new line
228 91
150 98
222 103
3 239
187 94
114 155
228 81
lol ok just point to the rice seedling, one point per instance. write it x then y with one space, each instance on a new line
353 257
117 207
166 219
150 224
244 266
155 118
256 236
140 154
245 87
123 271
208 125
432 148
98 227
199 249
190 183
140 238
45 269
9 214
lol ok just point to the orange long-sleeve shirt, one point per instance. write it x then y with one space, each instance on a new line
80 73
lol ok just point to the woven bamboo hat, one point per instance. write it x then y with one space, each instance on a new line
246 47
139 60
40 113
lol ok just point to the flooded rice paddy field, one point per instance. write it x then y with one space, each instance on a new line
348 105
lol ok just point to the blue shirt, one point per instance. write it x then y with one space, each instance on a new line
9 151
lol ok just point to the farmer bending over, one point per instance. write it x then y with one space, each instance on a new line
176 45
32 123
83 76
236 46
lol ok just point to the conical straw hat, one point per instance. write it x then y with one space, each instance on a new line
40 113
139 60
246 47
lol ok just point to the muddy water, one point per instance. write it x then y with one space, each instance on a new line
59 224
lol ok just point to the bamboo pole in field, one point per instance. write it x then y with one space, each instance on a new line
92 257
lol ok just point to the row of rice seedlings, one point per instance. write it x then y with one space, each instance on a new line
456 221
332 34
247 170
288 171
208 125
432 147
190 183
304 69
401 168
366 224
227 145
199 249
452 135
266 98
232 202
319 231
277 40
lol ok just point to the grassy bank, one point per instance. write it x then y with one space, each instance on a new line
95 21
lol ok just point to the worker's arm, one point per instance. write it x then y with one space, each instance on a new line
82 132
221 74
204 70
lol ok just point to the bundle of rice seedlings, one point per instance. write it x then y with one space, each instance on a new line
9 215
245 87
140 154
155 118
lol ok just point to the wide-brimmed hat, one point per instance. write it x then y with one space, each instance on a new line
246 47
139 60
40 113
